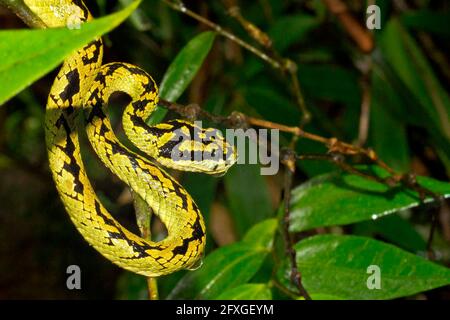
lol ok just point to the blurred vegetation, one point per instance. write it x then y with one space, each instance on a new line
341 223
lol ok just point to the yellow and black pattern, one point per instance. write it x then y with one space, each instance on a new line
83 84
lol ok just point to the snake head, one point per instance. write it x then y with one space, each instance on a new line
193 148
218 154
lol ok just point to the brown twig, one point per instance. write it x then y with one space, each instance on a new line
24 13
444 217
364 64
335 147
288 159
358 33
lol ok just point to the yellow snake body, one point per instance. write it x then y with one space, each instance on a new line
83 83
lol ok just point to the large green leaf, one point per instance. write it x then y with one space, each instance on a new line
27 55
182 70
229 266
342 198
338 266
250 291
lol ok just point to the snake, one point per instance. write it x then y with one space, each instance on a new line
78 100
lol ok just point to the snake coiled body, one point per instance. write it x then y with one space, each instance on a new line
85 85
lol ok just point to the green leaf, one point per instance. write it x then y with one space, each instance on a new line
249 291
341 198
407 109
261 235
270 103
27 55
326 82
202 188
227 267
138 18
319 296
388 134
428 21
395 229
131 286
248 196
182 70
288 30
330 82
337 266
411 65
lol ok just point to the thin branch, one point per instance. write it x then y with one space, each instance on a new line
288 159
362 37
143 218
179 6
336 148
24 13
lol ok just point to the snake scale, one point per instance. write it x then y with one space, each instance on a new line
84 86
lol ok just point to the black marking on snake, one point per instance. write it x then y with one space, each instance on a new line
96 112
53 97
112 67
157 131
101 77
95 95
168 149
69 150
197 234
179 192
95 54
139 248
136 70
73 86
140 105
139 122
148 87
171 148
